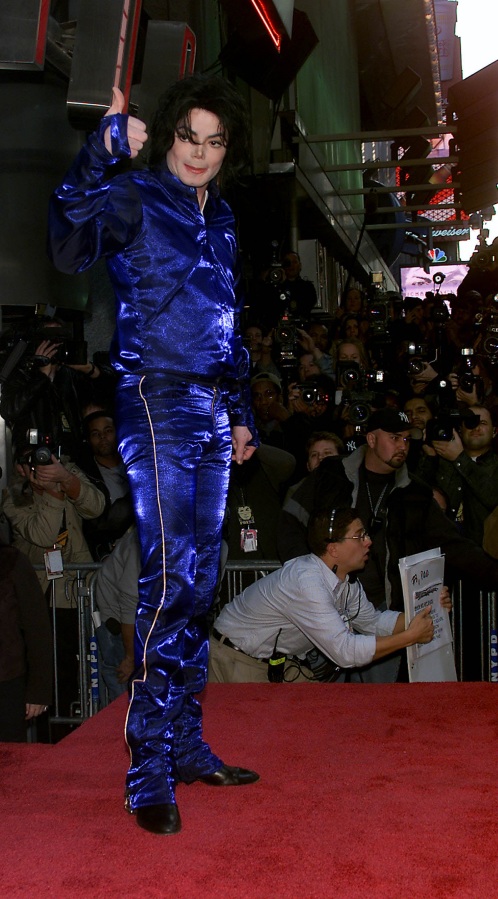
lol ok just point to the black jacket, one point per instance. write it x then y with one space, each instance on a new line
414 523
31 400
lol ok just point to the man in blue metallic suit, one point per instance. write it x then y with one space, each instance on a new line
183 402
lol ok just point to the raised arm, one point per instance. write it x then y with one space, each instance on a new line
90 214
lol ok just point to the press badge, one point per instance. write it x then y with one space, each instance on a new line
54 565
249 540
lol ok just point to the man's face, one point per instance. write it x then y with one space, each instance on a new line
291 266
319 335
196 163
320 450
386 452
418 412
264 394
352 555
102 437
307 367
478 440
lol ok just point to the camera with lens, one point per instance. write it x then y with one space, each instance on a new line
312 393
348 374
69 351
287 340
467 380
485 257
275 274
363 396
379 316
486 322
418 357
448 417
380 308
41 447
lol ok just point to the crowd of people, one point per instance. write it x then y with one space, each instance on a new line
318 405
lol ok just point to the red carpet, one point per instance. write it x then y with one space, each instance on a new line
366 792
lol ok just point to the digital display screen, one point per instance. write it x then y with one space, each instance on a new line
415 282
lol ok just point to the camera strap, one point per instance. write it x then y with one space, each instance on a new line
375 519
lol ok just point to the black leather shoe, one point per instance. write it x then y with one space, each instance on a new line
227 776
163 818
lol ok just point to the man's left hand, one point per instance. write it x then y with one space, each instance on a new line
241 436
449 449
445 599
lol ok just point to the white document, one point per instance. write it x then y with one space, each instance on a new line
422 577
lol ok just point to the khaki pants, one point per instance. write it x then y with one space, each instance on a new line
230 666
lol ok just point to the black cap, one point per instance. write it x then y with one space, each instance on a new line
388 419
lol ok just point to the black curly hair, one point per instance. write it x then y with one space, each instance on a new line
214 94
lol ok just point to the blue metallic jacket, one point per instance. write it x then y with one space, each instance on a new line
173 267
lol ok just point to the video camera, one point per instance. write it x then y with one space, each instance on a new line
486 322
287 340
448 417
485 257
380 307
276 273
18 345
362 391
69 350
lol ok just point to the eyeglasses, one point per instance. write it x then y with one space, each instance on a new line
363 536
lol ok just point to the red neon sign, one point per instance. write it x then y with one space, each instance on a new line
265 17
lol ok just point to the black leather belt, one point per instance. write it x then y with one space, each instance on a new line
226 642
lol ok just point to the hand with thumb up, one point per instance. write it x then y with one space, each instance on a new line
137 134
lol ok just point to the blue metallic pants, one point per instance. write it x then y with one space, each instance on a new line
175 440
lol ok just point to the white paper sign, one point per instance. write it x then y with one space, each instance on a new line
422 577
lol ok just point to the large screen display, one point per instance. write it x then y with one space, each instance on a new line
415 282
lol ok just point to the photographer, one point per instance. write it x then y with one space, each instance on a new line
312 603
466 469
311 404
46 393
260 349
45 505
320 363
409 327
402 517
269 410
359 391
280 291
419 412
301 292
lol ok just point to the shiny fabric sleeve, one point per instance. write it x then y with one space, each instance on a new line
90 215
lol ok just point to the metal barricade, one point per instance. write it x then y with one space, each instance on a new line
475 614
86 702
236 577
